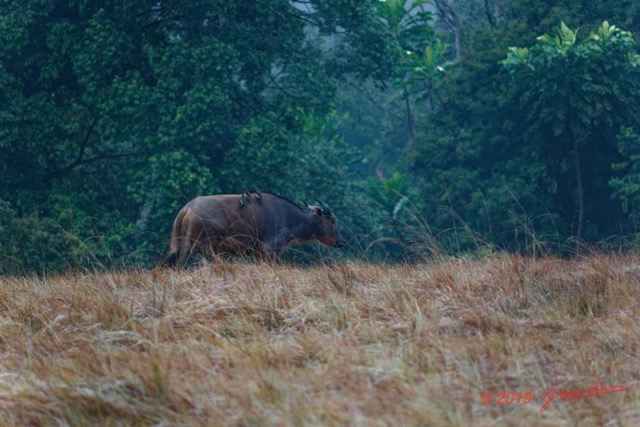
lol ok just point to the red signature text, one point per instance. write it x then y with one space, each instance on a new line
570 395
506 397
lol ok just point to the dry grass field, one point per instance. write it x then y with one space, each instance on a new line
352 344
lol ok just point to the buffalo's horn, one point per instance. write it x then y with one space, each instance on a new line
246 192
305 202
325 207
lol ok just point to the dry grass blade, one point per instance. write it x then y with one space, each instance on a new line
350 344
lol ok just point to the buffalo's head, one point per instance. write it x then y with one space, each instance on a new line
325 229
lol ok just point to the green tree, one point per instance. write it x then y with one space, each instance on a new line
468 168
578 95
489 169
408 25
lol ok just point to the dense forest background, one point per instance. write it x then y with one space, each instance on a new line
459 126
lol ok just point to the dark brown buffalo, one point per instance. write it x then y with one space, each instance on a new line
264 225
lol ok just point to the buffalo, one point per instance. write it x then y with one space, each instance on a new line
234 225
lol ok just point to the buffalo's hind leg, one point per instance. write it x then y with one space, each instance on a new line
170 261
186 249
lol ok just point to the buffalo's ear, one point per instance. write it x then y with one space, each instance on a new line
316 211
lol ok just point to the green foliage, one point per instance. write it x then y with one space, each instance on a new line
408 25
389 194
497 161
584 92
627 186
407 22
114 115
26 243
299 165
422 71
401 231
161 188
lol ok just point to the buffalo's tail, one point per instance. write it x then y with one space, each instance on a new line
171 260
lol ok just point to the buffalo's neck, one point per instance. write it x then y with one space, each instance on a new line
301 226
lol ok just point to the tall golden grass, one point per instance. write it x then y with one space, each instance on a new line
351 344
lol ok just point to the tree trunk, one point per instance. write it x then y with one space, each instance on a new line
488 9
409 114
449 17
580 192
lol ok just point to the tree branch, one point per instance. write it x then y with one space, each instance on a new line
487 9
449 17
285 92
81 160
111 156
83 147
